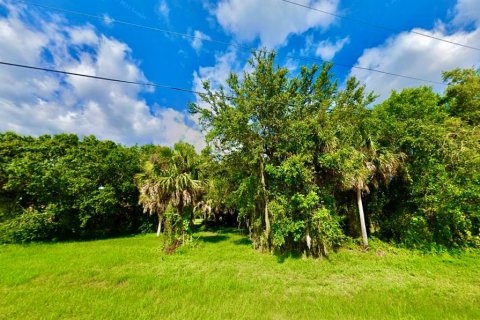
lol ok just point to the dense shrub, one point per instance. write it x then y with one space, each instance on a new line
75 188
29 226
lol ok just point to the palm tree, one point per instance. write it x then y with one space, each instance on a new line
153 197
170 178
358 161
362 167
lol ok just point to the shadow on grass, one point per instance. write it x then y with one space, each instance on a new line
243 242
213 239
282 257
222 230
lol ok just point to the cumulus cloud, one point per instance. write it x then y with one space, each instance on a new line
217 74
417 56
324 49
467 11
83 35
35 103
327 50
197 42
270 20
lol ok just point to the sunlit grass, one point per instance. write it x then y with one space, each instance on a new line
221 277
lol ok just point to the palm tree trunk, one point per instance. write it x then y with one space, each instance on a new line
308 239
190 222
362 218
159 228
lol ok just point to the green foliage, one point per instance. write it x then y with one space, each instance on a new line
462 96
292 158
434 202
282 139
85 185
170 188
30 226
327 232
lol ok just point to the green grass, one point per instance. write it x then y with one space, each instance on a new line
223 278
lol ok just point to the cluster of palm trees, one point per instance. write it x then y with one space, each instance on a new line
171 184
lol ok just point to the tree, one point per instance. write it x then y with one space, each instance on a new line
83 187
170 178
267 130
357 161
462 97
152 197
434 201
245 130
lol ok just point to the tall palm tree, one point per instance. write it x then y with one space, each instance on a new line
364 166
359 162
170 178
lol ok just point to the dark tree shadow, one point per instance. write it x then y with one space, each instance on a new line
243 242
220 229
282 257
213 239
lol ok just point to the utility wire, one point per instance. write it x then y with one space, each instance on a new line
377 26
133 24
236 45
366 69
151 84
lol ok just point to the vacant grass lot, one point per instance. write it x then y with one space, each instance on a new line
223 278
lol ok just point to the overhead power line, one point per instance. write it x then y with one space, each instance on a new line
377 26
133 24
367 69
148 84
229 44
116 80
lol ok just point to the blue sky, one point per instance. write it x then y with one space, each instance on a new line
35 103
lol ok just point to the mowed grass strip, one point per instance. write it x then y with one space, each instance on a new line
221 277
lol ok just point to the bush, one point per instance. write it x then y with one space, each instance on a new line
83 189
328 233
29 226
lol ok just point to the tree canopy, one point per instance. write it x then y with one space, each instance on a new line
299 161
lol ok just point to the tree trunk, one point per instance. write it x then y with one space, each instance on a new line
308 239
191 223
159 228
265 202
362 218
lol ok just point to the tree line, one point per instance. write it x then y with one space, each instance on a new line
299 161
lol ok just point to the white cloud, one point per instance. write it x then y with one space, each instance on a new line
163 9
108 20
417 56
35 103
217 74
324 49
20 42
197 42
327 50
467 11
83 35
271 21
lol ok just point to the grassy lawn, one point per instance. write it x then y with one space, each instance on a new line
223 278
